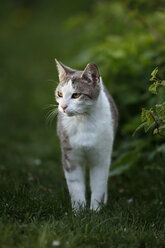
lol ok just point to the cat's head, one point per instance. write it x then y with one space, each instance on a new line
77 91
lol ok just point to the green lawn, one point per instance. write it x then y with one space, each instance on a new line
35 207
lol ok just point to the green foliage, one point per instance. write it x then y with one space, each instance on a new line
160 110
153 87
154 117
154 74
126 45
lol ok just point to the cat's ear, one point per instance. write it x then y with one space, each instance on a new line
91 72
63 70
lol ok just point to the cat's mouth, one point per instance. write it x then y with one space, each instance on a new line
70 114
65 112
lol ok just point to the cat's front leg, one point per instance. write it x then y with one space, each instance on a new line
74 174
99 173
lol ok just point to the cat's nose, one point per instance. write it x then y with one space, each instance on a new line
64 107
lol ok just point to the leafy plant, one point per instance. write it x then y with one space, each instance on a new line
154 118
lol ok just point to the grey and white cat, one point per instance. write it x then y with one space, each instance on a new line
87 123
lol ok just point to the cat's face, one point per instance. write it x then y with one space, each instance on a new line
77 91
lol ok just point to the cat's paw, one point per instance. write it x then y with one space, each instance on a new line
78 206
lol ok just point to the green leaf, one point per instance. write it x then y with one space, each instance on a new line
160 110
162 128
143 115
155 131
147 116
139 128
153 74
163 82
153 88
119 170
146 128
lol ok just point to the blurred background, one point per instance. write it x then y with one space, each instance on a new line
126 39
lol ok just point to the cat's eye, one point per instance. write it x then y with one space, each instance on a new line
76 95
59 94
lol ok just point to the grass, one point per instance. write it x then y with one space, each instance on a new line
35 212
34 202
35 207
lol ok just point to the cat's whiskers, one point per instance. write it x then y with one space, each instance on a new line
50 106
51 114
53 81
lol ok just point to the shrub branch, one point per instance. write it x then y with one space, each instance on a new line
157 125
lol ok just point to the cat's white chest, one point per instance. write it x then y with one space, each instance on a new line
92 130
84 133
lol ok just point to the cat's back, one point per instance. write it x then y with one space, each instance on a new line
113 109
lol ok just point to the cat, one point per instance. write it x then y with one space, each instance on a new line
87 123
